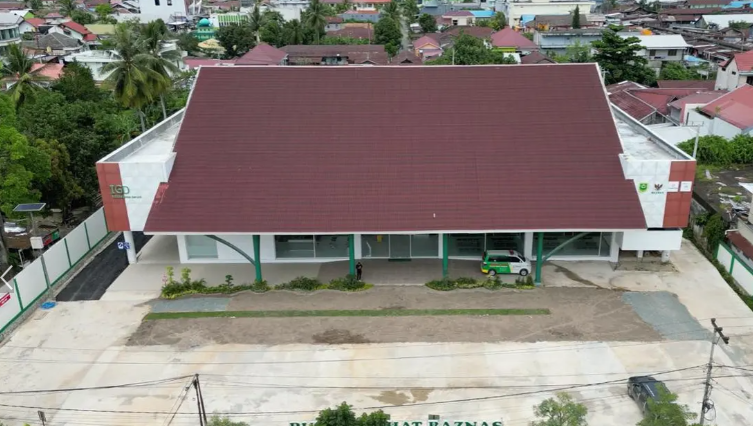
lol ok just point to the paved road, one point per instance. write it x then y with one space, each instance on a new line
92 282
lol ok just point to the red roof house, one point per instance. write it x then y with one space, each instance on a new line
263 54
509 38
736 108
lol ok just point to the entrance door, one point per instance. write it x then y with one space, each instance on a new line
400 246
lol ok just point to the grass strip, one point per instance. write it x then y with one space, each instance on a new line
347 313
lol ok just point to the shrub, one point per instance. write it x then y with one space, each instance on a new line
493 283
300 283
229 280
467 282
445 284
260 286
347 283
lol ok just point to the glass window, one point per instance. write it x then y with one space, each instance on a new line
466 245
375 245
606 241
156 2
672 52
424 245
331 246
513 241
652 53
201 247
587 245
294 246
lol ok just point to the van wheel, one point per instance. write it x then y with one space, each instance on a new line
523 272
492 272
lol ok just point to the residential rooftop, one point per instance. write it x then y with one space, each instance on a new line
156 144
640 142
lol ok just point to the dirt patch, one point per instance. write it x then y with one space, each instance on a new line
584 314
338 337
398 398
573 276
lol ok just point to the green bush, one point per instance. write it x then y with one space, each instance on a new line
493 283
445 284
300 283
172 289
347 283
260 286
490 283
467 282
719 151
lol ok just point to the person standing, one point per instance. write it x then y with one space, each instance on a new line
359 270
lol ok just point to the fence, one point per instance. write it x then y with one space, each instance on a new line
48 271
740 271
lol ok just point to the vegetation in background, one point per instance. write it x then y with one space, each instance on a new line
576 18
560 411
497 22
410 10
678 71
619 59
428 23
236 39
224 421
489 283
720 151
665 411
387 32
469 50
575 53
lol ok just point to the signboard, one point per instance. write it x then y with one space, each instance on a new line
4 299
124 246
686 186
673 186
121 192
36 243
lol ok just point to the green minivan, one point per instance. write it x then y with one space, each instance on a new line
496 262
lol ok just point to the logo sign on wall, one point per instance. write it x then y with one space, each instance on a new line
121 192
673 186
643 187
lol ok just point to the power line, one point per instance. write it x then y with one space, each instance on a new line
124 385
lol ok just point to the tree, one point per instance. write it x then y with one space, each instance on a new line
340 40
469 50
428 23
677 71
35 5
20 163
132 77
576 17
224 421
77 83
391 10
387 32
293 32
18 69
60 190
664 411
575 53
163 62
236 39
255 21
67 7
272 34
315 19
619 58
189 43
498 22
562 411
82 17
739 25
410 10
103 12
342 415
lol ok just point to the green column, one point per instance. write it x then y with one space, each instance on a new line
445 251
352 254
257 257
539 257
18 295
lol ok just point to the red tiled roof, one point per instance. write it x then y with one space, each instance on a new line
90 37
741 243
333 19
639 102
632 106
686 84
736 107
12 5
75 26
744 61
262 54
698 98
707 2
358 162
507 37
406 57
51 71
35 22
475 31
427 40
536 58
353 32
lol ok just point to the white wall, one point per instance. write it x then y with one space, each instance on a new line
96 227
56 260
10 309
724 257
31 283
723 128
652 240
651 172
77 244
151 11
697 118
515 10
742 275
726 80
142 179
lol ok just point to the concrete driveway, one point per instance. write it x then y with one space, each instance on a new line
84 344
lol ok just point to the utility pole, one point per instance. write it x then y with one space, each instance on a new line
200 401
707 404
697 126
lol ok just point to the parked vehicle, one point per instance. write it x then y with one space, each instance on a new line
495 262
644 388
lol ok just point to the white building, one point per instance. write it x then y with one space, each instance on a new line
9 30
736 72
728 116
722 21
289 9
167 10
515 9
659 49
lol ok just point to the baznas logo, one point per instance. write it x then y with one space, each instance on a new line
642 187
657 186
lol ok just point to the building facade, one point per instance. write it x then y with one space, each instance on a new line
9 30
516 9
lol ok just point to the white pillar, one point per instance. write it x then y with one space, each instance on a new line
130 247
614 249
639 254
528 245
665 256
440 245
357 249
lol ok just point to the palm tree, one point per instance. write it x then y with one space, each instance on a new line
163 61
17 70
392 10
292 32
132 76
315 18
255 21
67 7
